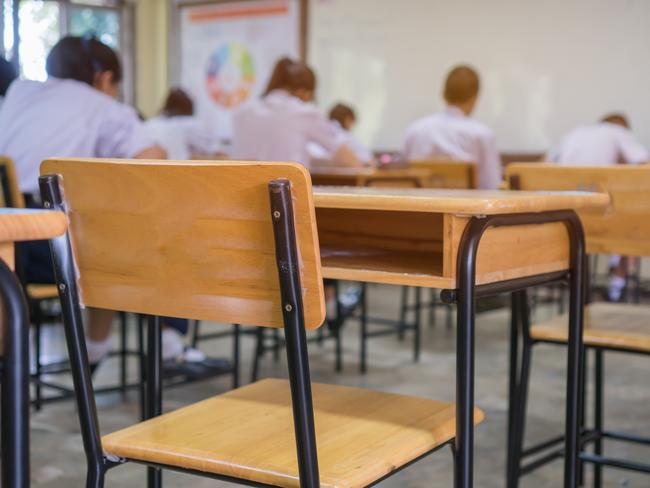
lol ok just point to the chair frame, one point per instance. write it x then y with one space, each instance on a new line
294 327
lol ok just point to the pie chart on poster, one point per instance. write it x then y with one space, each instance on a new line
230 75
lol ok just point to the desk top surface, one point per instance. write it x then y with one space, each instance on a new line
19 224
466 202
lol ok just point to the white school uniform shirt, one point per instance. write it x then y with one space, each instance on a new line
601 144
64 118
279 127
452 134
181 136
343 137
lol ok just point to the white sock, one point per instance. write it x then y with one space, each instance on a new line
172 344
97 350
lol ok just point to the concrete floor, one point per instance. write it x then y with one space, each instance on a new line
57 456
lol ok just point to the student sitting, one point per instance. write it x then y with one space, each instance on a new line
452 134
75 114
610 141
605 143
280 125
178 132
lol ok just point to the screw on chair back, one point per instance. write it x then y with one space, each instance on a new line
186 239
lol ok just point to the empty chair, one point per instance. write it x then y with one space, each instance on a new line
233 243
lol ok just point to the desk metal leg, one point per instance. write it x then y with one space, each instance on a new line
154 386
15 383
512 460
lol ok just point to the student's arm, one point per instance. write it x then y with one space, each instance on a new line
631 150
122 135
151 152
319 130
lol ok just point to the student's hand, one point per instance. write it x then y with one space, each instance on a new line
344 156
152 152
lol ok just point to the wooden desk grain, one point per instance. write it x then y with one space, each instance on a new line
411 237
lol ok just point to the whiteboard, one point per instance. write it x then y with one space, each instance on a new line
227 52
546 66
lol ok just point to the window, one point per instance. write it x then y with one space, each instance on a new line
41 23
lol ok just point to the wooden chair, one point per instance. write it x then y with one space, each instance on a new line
232 243
15 226
623 229
448 174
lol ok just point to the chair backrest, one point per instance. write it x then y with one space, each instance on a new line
11 194
448 174
624 228
186 239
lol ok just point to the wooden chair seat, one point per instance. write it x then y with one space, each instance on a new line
248 433
42 292
612 325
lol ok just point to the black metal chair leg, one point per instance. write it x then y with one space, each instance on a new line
235 355
259 350
583 416
123 353
142 367
15 383
417 325
95 478
599 407
512 462
403 312
154 386
363 366
196 333
38 368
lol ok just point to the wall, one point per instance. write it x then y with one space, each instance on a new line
546 66
151 54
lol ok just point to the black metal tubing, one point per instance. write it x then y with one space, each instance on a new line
15 382
294 329
615 463
153 399
599 407
363 330
64 273
466 294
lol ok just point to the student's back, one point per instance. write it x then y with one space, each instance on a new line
602 144
453 134
64 118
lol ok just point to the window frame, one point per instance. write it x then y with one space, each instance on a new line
125 10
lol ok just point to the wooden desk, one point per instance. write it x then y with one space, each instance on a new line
18 225
472 243
376 177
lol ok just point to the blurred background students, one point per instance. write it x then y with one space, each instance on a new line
178 132
453 134
607 142
75 114
7 75
280 125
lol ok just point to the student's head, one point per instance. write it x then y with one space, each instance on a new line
616 118
280 76
87 60
7 75
303 81
344 115
178 103
462 87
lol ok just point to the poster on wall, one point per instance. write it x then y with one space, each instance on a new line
228 50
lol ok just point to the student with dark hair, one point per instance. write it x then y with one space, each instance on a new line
453 134
283 122
178 131
72 114
7 75
607 142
